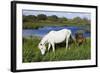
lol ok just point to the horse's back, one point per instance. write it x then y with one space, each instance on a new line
66 30
58 36
60 32
63 30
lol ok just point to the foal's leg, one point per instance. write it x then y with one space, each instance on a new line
49 45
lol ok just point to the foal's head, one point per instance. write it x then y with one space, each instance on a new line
80 38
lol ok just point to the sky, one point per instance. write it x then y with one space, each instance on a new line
69 15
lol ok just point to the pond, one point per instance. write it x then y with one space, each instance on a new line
44 30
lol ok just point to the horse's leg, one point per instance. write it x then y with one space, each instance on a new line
66 43
53 47
49 45
67 39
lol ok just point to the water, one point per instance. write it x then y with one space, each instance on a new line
44 30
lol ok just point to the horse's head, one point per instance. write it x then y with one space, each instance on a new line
42 48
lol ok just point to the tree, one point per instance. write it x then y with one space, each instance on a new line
41 17
53 18
77 20
63 19
29 18
86 21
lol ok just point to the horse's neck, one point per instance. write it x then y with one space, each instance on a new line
44 40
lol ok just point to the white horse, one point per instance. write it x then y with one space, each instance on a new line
54 37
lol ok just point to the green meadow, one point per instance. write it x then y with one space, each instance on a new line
31 52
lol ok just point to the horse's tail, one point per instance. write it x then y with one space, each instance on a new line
72 38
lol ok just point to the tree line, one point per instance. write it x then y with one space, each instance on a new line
54 18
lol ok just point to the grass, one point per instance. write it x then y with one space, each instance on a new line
36 25
31 53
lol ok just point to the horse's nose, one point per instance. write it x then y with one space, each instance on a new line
42 54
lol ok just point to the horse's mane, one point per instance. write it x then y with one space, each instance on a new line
44 40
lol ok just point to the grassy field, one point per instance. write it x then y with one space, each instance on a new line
30 25
31 53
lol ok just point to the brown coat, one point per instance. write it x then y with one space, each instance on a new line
80 39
